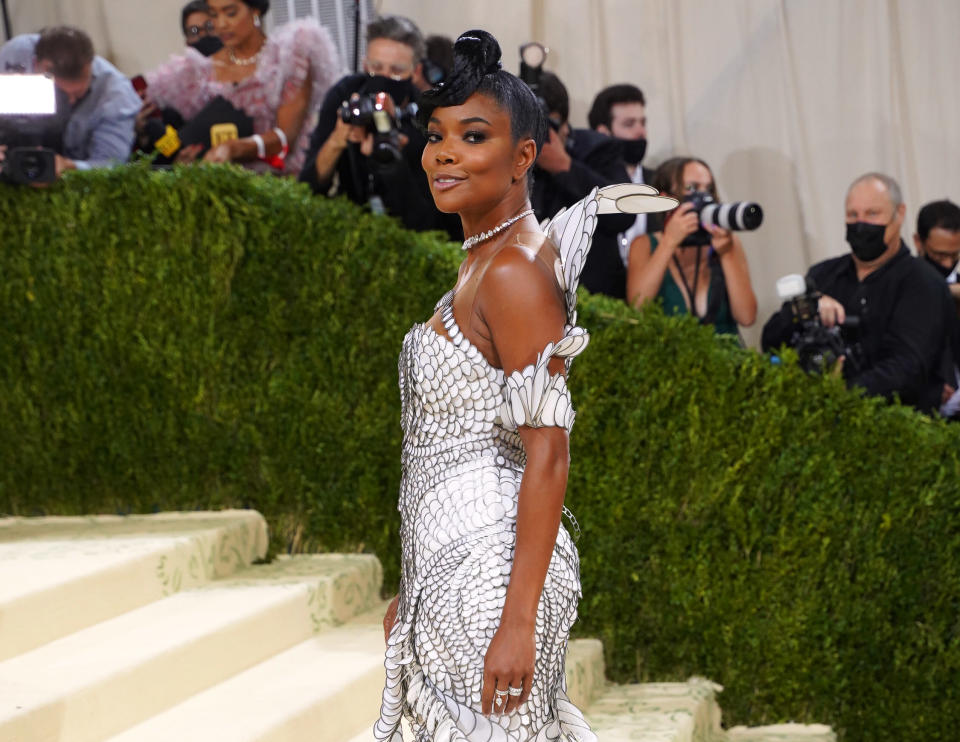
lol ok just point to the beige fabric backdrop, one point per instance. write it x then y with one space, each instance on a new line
788 100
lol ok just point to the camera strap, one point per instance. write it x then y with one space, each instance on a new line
716 293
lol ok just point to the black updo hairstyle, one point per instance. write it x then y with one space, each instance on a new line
477 69
262 5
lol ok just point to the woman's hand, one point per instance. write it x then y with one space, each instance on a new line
220 153
722 240
390 618
509 662
189 154
681 224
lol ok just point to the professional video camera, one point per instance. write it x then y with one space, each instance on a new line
819 347
738 216
28 108
381 116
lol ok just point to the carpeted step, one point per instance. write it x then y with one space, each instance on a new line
658 712
111 676
325 689
783 733
60 575
585 668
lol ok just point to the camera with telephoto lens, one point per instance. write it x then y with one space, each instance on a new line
378 114
819 347
28 122
739 216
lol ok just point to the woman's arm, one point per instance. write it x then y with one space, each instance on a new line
290 117
645 272
736 276
523 309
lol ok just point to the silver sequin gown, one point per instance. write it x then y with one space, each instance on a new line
462 465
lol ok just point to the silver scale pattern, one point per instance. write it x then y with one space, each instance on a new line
462 468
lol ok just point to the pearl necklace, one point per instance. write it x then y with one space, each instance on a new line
484 236
243 61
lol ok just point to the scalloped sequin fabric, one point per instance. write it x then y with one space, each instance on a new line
462 466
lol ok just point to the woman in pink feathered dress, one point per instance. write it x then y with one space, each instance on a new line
279 81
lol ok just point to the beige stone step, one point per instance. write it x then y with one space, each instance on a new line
325 689
585 671
111 676
783 733
60 575
658 712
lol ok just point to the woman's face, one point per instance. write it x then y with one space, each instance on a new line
232 21
696 177
471 159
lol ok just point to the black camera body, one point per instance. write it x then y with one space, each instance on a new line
29 165
377 113
738 216
819 347
532 57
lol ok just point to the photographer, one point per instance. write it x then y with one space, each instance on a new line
96 104
571 163
902 304
392 179
709 279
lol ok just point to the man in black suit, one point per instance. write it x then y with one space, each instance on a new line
571 163
620 112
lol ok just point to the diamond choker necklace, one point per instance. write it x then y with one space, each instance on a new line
484 236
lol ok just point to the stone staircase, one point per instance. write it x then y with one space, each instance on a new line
165 627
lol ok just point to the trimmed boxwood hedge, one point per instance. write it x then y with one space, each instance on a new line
204 338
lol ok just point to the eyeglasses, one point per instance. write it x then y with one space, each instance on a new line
393 71
205 29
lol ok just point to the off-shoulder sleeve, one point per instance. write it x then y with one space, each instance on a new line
308 52
535 398
180 83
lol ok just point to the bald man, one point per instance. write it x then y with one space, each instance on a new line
903 305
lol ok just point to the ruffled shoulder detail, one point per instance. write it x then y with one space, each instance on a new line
294 51
180 83
535 398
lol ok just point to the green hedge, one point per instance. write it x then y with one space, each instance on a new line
204 338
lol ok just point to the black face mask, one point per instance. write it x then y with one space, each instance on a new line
400 90
940 269
633 150
866 240
208 45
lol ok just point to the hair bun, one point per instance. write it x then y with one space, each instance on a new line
477 50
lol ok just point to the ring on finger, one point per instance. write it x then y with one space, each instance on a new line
514 691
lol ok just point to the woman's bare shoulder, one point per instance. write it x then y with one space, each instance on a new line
523 272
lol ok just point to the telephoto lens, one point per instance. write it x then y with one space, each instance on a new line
739 216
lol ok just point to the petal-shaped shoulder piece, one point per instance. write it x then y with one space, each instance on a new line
538 399
572 228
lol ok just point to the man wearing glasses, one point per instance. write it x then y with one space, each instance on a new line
342 157
198 28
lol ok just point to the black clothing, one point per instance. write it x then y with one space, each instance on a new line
905 324
402 187
595 160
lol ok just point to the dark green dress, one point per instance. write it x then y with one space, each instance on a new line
673 303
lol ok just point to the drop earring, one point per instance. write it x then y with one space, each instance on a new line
256 21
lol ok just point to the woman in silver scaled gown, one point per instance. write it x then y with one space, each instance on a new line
477 637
